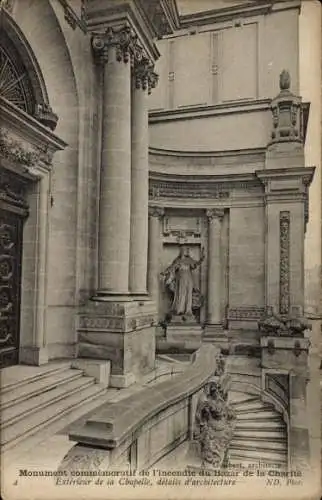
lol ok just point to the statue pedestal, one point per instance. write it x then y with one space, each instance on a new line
121 331
184 331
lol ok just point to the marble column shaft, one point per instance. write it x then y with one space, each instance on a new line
215 217
115 182
139 191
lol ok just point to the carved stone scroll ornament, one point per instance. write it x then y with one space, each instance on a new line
277 325
214 424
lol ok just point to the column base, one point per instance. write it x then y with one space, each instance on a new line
216 334
32 355
122 332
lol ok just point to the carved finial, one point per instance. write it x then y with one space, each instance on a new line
285 80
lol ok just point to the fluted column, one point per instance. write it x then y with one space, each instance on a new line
155 216
143 80
215 217
112 50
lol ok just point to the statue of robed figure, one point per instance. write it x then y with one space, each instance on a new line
178 278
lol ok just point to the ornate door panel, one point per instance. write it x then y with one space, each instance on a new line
10 279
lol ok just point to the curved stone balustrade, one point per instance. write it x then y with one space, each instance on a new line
142 428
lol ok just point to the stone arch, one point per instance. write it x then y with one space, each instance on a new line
38 23
22 82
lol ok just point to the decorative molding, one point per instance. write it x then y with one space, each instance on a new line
284 302
72 18
190 112
41 139
235 12
183 189
15 151
245 313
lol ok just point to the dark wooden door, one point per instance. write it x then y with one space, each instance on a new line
11 227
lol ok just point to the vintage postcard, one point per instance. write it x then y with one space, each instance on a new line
160 249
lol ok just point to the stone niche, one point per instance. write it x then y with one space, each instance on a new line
180 228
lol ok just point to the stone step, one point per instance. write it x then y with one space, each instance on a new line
257 445
19 375
34 388
255 455
262 414
254 425
59 426
19 411
31 424
252 406
260 434
235 397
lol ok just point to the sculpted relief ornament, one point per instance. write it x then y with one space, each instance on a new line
214 421
178 279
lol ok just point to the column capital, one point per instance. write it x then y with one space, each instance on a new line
144 75
156 212
215 213
126 44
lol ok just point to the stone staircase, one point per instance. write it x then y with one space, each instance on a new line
39 399
260 433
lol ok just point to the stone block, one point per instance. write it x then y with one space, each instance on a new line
291 353
122 381
122 333
98 369
32 355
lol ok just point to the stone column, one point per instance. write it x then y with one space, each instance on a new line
215 217
112 51
155 215
143 79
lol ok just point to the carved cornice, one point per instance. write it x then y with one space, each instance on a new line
245 313
260 105
38 138
199 187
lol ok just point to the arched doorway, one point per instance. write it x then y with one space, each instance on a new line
26 148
